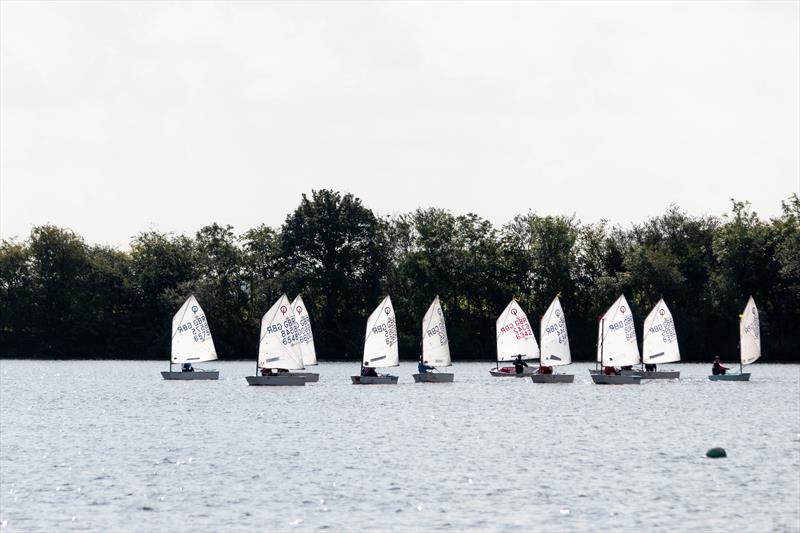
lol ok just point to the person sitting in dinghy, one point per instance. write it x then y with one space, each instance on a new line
650 367
422 366
187 367
519 365
718 369
545 370
610 371
266 372
368 371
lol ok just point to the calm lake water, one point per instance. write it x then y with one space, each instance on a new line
110 446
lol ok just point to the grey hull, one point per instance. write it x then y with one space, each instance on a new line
553 378
276 381
527 371
374 380
602 379
310 377
657 374
191 376
431 377
731 377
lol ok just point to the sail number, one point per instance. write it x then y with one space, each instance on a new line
627 325
438 331
559 330
520 327
198 328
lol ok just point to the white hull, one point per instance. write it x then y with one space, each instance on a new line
191 376
656 374
731 377
276 381
310 377
553 378
374 380
433 377
602 379
526 371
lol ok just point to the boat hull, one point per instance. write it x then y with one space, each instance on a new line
656 374
310 377
374 380
602 379
526 371
191 376
731 377
276 381
433 377
553 378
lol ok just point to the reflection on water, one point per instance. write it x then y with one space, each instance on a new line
88 445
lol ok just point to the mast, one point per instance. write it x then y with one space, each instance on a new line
541 339
602 332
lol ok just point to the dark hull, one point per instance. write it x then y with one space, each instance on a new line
191 376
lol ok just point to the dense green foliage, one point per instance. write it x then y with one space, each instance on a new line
62 297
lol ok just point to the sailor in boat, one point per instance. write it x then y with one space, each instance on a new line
650 367
422 366
610 371
266 372
519 364
718 369
187 367
368 371
545 370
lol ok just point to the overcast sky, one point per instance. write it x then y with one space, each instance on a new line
121 117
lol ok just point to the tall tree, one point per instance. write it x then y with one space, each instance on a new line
335 252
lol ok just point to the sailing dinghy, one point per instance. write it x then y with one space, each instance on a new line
616 344
660 344
305 340
277 351
191 342
435 346
514 337
555 344
380 346
749 343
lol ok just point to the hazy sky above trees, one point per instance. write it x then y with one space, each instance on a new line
119 117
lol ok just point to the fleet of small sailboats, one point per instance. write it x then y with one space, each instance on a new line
191 343
286 345
435 346
555 345
380 346
514 339
749 343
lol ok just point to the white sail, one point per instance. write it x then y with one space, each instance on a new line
435 346
553 334
306 337
515 335
191 337
276 349
618 344
660 344
750 333
380 344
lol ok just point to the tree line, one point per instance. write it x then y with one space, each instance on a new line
61 297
